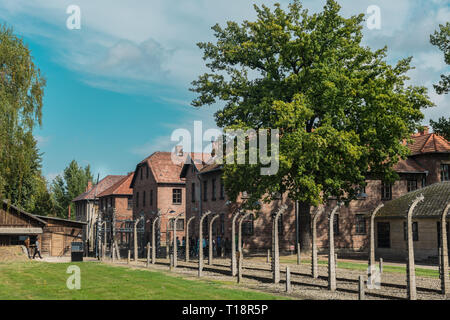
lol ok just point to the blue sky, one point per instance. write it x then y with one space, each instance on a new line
118 87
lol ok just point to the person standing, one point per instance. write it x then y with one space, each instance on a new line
37 249
27 245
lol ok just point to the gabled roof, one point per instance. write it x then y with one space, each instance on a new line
104 184
199 163
121 187
164 168
437 196
428 143
7 204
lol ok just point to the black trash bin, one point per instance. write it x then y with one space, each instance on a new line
77 251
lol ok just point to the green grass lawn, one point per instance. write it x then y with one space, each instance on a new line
40 280
363 266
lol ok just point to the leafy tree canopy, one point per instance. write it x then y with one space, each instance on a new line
441 127
340 108
441 39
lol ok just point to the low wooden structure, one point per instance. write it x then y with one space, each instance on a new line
54 234
58 234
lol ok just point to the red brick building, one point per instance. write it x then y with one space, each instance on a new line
205 192
428 164
157 186
86 207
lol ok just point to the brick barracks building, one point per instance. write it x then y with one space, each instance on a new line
428 164
157 185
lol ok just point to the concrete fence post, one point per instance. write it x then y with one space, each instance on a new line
148 254
128 259
445 282
240 262
154 238
175 244
361 288
187 238
331 254
381 266
268 255
275 245
410 270
372 261
210 240
298 254
200 243
314 262
233 243
288 280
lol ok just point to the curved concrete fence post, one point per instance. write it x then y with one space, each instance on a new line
314 262
410 269
210 240
233 244
372 261
200 243
445 283
241 220
187 237
154 238
331 256
275 245
175 245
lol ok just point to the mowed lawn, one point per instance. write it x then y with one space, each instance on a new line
41 280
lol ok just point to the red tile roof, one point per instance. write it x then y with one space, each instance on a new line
428 143
121 187
165 169
407 166
103 184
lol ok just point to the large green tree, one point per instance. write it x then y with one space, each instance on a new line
21 93
340 108
68 186
441 39
441 127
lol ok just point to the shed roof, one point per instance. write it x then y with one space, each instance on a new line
436 198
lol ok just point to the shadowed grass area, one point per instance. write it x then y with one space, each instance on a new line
363 266
40 280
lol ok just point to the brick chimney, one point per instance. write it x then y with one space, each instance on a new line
179 150
89 186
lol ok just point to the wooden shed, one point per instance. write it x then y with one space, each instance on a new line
16 225
58 234
54 234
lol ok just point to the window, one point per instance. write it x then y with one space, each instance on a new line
193 192
130 203
415 231
424 182
360 225
143 199
176 196
336 224
445 175
180 224
140 171
137 199
151 197
386 191
205 190
222 190
147 171
213 189
411 185
247 226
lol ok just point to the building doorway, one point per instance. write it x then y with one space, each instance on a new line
383 235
